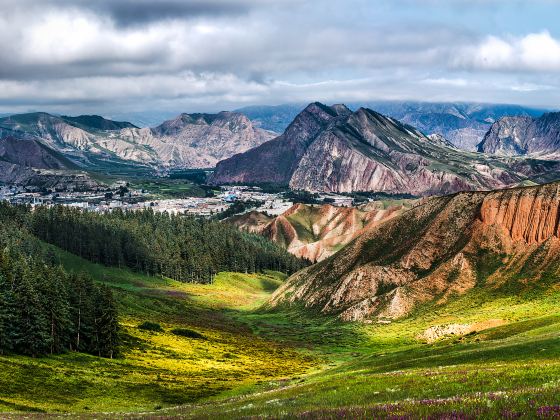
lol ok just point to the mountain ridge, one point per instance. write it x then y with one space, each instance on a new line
315 232
187 141
464 124
441 248
349 151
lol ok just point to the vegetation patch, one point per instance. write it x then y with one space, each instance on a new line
158 370
185 332
150 326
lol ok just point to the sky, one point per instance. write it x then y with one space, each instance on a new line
118 56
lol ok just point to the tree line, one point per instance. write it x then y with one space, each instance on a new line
44 309
183 248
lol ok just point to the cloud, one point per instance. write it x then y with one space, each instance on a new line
99 89
141 11
443 81
535 52
213 54
79 43
531 87
135 12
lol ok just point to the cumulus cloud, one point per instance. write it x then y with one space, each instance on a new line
212 54
79 43
538 52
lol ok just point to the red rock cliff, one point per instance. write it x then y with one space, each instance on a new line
529 214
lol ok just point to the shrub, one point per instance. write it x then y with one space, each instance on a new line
185 332
150 326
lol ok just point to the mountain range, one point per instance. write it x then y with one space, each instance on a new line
187 141
462 124
323 149
333 149
436 251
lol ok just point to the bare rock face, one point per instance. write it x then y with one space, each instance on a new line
188 141
28 162
434 251
201 140
437 332
252 222
331 149
316 232
531 215
31 153
517 136
14 174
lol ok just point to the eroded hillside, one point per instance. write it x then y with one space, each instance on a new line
316 232
435 251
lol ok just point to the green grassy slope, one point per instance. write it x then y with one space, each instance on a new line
293 363
157 369
385 370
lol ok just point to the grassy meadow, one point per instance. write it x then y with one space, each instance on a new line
157 369
292 363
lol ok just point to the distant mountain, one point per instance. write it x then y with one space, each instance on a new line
32 153
504 241
333 149
29 162
144 118
275 161
187 141
95 122
317 232
517 136
463 124
274 118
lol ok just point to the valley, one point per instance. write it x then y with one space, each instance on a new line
255 209
352 267
157 369
296 363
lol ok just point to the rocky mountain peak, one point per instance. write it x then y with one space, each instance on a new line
341 109
323 113
515 136
233 121
308 123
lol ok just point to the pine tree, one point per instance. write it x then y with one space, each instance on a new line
31 327
106 323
